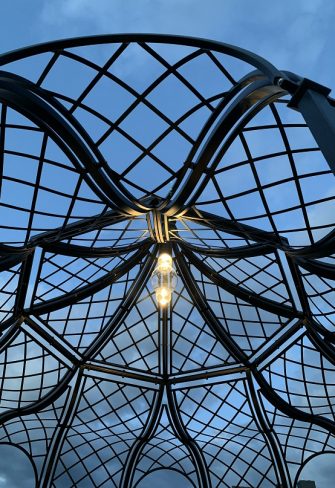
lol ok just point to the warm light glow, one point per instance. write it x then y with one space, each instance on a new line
164 263
164 279
163 295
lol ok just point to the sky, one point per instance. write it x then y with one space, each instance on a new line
296 36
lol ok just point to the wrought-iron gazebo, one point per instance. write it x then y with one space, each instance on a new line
115 149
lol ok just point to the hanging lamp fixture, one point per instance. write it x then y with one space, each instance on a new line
164 279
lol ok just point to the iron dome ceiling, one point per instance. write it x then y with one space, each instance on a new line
113 147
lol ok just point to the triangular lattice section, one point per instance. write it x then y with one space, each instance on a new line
135 343
219 419
108 420
81 323
164 450
194 345
35 432
27 363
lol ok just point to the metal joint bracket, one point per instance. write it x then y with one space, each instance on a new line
158 226
312 100
298 90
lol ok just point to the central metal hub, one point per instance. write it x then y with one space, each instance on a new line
158 226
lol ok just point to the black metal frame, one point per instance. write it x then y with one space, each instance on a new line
73 264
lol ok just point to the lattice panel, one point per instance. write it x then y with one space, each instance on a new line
321 296
304 378
9 281
35 432
299 440
259 274
135 343
122 232
81 323
295 199
165 450
51 191
219 419
109 419
194 345
201 231
249 326
28 372
61 274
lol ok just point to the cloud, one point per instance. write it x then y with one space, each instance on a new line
165 479
16 470
295 35
321 469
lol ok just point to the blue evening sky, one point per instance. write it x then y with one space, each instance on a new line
297 35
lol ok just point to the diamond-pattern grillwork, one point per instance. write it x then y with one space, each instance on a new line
113 149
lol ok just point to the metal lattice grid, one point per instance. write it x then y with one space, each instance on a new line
113 148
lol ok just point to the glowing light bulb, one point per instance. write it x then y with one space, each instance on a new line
163 295
164 279
165 263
